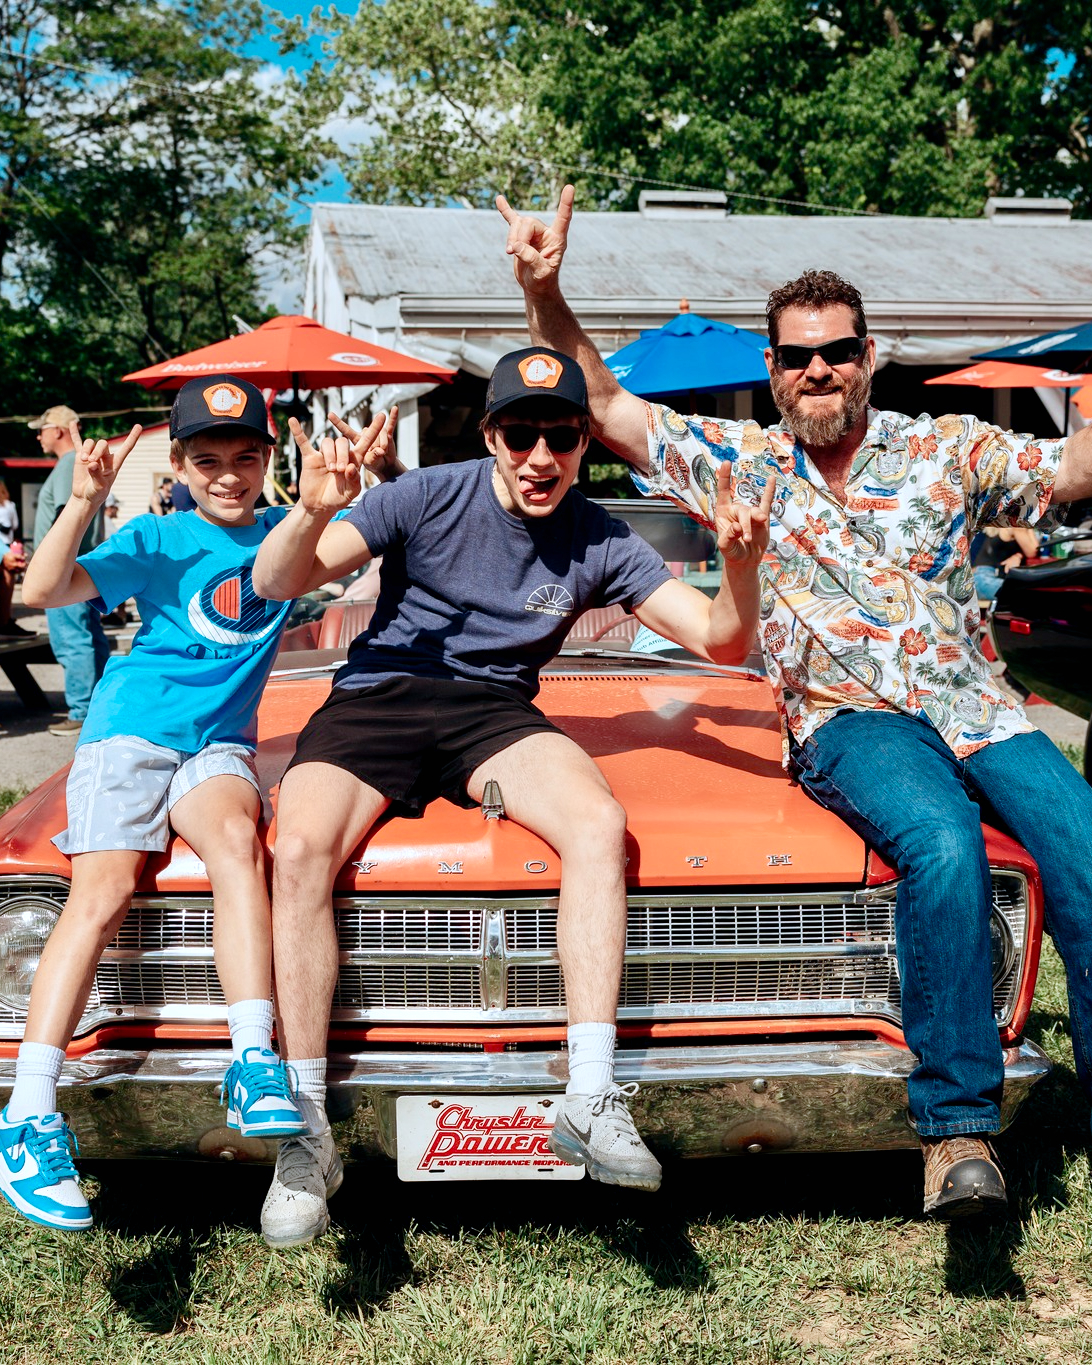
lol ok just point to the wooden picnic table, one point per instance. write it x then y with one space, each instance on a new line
17 653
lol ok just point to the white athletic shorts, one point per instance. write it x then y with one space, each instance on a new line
120 791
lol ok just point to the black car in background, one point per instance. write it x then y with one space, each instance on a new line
1041 625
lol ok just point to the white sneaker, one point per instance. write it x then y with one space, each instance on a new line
308 1172
597 1131
37 1176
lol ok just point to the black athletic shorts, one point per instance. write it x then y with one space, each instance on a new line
415 739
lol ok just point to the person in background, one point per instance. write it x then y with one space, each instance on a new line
12 561
998 550
162 503
75 632
182 498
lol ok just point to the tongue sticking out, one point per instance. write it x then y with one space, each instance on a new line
537 488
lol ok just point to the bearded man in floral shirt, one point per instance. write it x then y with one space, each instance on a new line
870 630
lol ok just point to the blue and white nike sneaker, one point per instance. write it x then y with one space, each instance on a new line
37 1176
260 1102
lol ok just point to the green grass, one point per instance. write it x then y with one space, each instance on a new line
9 796
765 1259
753 1260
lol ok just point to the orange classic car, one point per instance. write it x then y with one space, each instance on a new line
759 1008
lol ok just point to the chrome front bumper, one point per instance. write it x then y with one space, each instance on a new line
693 1102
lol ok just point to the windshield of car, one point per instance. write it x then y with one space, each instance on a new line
690 552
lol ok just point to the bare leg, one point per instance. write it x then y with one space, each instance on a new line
322 814
102 887
553 788
218 819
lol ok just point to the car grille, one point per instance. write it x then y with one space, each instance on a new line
471 960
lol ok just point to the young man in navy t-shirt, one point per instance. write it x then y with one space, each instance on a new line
485 567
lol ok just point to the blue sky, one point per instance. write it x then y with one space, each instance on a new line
336 190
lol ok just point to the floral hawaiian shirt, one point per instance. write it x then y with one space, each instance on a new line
871 605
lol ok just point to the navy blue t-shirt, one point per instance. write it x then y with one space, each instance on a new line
470 591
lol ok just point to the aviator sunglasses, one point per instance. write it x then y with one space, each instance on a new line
522 436
832 352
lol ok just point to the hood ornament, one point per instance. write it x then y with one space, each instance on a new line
492 801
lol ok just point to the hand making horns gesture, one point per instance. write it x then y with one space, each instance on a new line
536 249
743 531
96 465
330 475
379 456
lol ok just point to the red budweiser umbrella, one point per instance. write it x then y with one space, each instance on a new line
294 352
999 374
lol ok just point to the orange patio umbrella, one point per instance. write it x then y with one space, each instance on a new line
294 352
999 374
1003 374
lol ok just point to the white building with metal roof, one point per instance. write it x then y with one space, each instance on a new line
437 282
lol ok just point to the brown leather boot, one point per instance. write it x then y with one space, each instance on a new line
962 1177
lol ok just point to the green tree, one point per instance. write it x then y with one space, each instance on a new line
899 106
145 174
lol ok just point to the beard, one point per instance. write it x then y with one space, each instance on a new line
821 430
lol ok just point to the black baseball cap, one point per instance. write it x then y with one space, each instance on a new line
536 373
220 402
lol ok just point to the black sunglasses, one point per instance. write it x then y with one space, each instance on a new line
522 436
832 352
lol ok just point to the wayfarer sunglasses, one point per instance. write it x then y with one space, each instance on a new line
832 352
521 437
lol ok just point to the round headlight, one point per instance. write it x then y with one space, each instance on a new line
1002 947
25 924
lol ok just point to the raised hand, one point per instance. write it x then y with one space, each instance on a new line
375 444
329 476
743 531
536 249
96 465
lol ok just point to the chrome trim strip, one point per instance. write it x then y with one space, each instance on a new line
484 929
819 1096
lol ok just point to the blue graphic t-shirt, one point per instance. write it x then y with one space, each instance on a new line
470 591
207 642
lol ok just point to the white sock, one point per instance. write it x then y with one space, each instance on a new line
591 1058
251 1025
311 1091
37 1071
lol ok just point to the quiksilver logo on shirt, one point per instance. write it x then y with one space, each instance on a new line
551 599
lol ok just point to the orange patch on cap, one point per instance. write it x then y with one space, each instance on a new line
540 371
224 400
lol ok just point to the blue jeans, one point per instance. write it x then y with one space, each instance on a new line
81 648
894 780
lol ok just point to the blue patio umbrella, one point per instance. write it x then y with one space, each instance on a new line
1069 349
691 354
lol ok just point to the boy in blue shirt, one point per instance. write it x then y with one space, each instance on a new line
168 743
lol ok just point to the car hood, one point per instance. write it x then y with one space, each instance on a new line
694 757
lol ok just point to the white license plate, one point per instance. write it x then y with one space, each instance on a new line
478 1137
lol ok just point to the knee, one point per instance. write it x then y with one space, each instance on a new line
237 846
103 906
601 822
954 847
301 859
